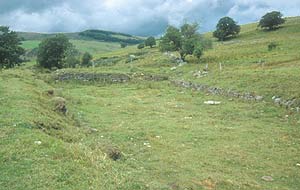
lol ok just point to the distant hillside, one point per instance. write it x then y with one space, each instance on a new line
98 35
106 36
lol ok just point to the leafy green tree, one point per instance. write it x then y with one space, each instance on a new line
189 30
226 27
186 40
271 20
53 51
150 42
141 46
86 59
10 50
172 40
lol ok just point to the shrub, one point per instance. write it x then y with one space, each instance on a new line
123 45
141 46
150 42
86 59
272 46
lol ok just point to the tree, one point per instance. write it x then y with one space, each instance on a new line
271 20
172 40
123 45
72 57
86 59
150 42
141 46
186 40
53 51
10 50
226 27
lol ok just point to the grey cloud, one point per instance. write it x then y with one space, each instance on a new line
140 17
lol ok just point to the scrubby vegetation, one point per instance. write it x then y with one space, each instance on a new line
86 59
150 41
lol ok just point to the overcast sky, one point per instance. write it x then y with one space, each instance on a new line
139 17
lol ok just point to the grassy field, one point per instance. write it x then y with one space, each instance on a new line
167 136
93 47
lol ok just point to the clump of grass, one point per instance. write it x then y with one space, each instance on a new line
114 153
272 46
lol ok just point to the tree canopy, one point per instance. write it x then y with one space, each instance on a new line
186 40
10 50
226 27
150 42
271 20
53 51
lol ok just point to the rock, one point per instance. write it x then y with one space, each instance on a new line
200 74
277 101
132 56
267 178
173 68
212 102
38 142
147 144
93 130
259 98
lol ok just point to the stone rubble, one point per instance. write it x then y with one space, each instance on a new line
293 104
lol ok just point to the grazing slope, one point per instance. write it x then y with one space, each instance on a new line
92 41
168 137
98 35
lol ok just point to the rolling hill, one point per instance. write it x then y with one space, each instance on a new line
128 127
97 35
92 41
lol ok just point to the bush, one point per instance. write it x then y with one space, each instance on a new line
72 57
141 46
150 42
226 27
53 51
272 46
123 45
10 50
271 20
86 59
